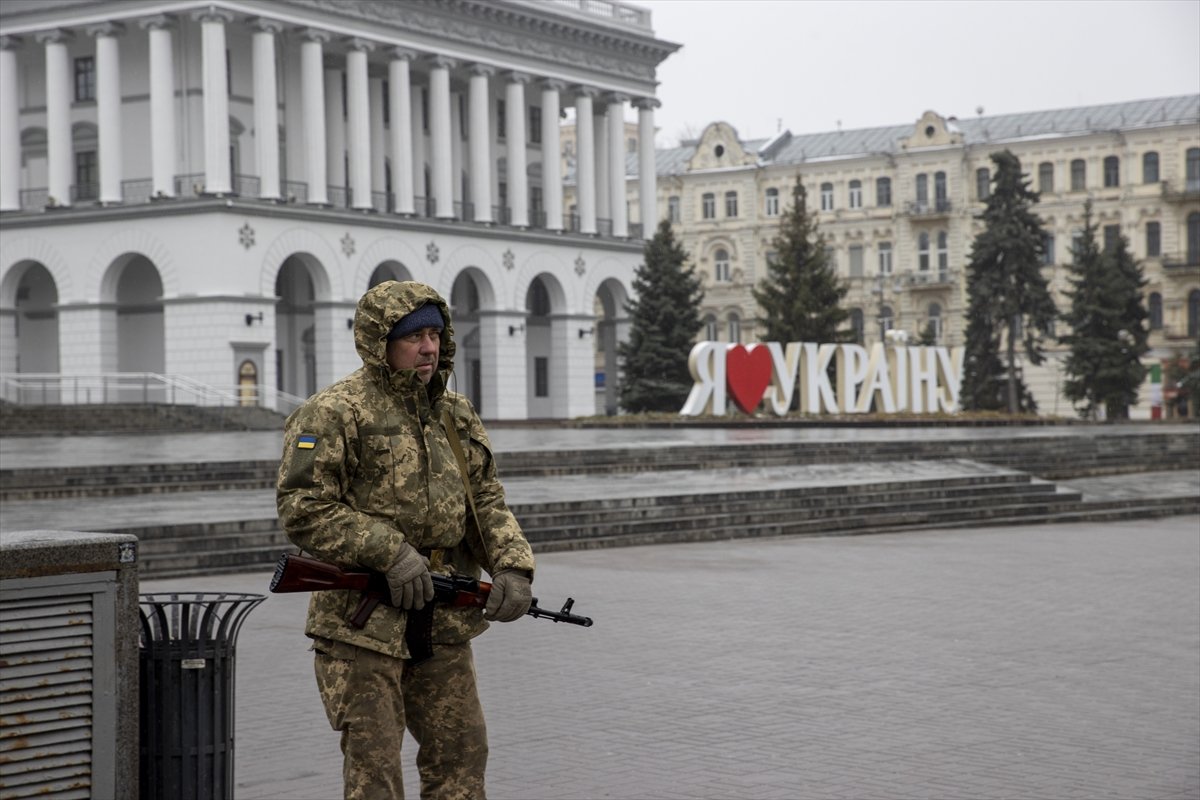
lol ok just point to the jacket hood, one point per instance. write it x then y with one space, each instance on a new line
383 306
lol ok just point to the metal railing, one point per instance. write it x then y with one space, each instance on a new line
52 388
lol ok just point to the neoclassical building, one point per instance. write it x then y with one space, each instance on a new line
897 206
198 191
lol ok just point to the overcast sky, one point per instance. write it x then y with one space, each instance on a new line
805 65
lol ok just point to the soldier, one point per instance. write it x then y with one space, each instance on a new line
370 477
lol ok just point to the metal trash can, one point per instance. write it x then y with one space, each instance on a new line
186 666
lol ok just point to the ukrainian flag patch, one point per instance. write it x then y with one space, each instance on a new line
306 441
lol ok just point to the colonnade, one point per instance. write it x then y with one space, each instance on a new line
359 139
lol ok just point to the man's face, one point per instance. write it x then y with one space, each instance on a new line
418 350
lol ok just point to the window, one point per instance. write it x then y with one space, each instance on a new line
735 329
721 265
535 125
1193 169
856 261
886 321
1193 238
1047 248
1078 175
1112 171
501 118
1153 239
934 315
923 251
1193 313
856 194
710 328
939 190
731 204
857 324
1150 167
883 192
1154 308
87 175
943 252
1076 243
1112 234
541 376
885 258
85 78
983 183
922 190
772 202
827 197
673 208
831 259
1045 177
709 205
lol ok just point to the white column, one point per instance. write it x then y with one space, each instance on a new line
335 133
58 117
266 108
456 152
162 105
378 143
480 142
215 85
108 108
603 184
439 129
358 123
312 80
585 161
400 101
616 165
552 182
518 182
647 166
10 126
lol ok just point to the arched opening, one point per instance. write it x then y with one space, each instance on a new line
612 327
464 313
295 353
35 324
388 271
247 383
546 372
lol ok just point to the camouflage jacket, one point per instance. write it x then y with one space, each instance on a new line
367 465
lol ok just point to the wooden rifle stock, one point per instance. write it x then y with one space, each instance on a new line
295 573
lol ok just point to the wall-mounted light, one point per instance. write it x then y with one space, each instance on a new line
251 317
585 332
512 329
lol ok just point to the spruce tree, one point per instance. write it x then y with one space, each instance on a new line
1008 299
801 296
1108 332
664 320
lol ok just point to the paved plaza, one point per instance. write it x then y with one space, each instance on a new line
1046 662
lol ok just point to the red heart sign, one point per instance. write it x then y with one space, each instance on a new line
747 373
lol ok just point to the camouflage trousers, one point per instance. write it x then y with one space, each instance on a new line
371 698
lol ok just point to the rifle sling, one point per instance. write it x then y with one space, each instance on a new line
456 446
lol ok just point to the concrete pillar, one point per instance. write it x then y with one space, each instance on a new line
162 104
647 167
552 179
108 108
266 108
400 102
518 180
10 125
59 147
616 165
585 160
215 86
358 123
312 88
480 142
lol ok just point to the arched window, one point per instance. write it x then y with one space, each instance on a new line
1193 238
856 194
710 328
857 324
922 190
883 192
1150 167
735 329
1112 171
939 190
1154 309
923 251
943 252
827 197
1153 239
1078 175
1045 177
772 202
886 321
1193 169
247 383
709 205
983 184
721 265
934 314
1193 321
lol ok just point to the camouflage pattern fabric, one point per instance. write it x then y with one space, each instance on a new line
370 697
366 465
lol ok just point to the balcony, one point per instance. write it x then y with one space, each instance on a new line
1181 192
932 279
1181 265
935 210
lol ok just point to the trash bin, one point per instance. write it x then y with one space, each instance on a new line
186 665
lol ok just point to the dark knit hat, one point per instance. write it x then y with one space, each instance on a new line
427 316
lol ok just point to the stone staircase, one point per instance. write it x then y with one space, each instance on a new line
589 498
109 418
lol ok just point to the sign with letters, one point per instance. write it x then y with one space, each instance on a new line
884 379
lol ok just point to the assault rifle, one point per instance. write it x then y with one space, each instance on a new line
296 573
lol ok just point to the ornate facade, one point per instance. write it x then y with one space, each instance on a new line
200 191
897 207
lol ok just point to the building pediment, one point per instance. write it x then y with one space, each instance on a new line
932 130
720 147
